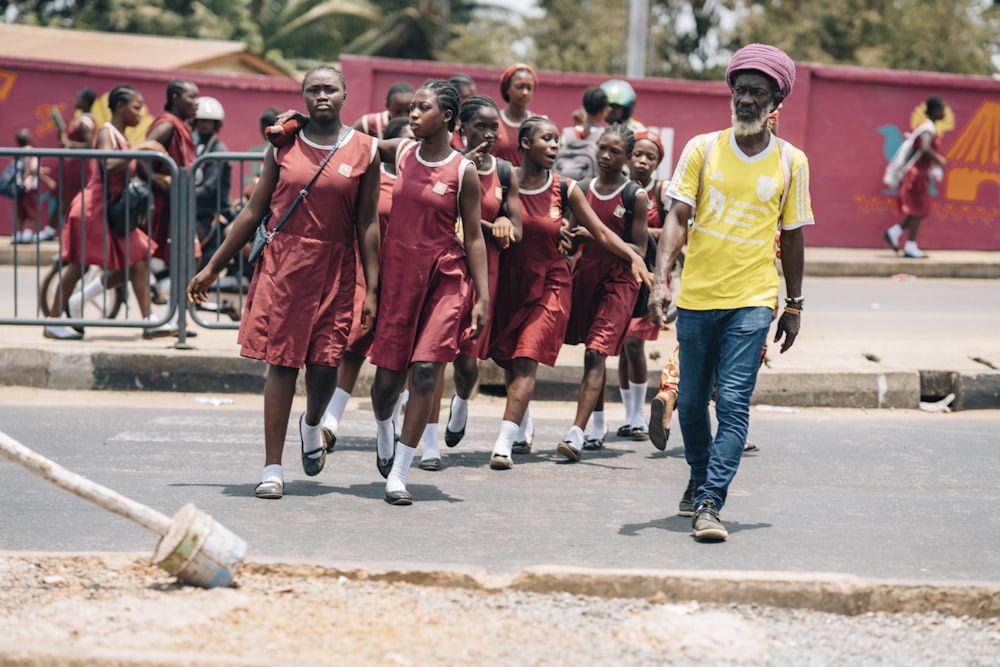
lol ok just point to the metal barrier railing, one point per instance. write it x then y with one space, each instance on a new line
212 217
47 279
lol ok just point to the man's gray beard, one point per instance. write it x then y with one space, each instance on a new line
751 127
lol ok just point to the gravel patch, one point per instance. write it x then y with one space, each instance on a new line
104 610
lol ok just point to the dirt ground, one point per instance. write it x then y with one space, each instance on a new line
110 610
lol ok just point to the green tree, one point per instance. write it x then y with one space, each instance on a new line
691 40
580 36
958 36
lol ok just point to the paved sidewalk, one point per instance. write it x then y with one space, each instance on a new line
849 354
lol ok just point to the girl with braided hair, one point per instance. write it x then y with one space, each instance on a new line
604 291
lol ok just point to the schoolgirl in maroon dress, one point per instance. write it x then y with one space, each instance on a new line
359 341
86 238
632 368
480 119
78 134
604 294
427 299
533 308
300 304
172 130
517 87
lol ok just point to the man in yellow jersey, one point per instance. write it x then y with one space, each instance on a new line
743 186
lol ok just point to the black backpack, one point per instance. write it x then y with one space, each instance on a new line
641 308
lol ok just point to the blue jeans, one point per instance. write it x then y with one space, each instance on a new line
719 349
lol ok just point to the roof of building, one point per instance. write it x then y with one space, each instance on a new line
87 47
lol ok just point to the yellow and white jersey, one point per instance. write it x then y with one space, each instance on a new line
737 204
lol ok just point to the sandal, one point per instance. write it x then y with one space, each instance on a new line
639 433
625 431
750 447
271 489
593 443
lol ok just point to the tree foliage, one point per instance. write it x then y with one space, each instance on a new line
957 36
687 39
580 36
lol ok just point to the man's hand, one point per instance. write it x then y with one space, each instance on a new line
788 326
659 302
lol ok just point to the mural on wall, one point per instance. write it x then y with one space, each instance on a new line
973 161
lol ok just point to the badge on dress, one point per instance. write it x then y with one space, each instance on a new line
555 212
344 170
619 211
440 188
498 192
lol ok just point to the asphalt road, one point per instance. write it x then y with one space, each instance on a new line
904 495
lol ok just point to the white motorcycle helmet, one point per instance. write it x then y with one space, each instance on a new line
210 108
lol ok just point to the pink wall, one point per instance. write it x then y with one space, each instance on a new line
835 115
29 88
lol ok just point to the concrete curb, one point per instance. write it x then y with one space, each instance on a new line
201 372
826 592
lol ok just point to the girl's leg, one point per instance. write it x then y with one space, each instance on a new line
138 275
431 456
593 383
385 390
662 407
315 439
520 379
635 354
347 377
466 376
423 379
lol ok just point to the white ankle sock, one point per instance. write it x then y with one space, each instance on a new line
526 431
574 436
399 408
90 291
312 438
400 467
272 473
638 391
385 437
459 413
505 439
432 450
626 395
335 409
599 425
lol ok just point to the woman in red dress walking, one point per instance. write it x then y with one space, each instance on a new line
86 238
531 314
300 305
426 292
517 87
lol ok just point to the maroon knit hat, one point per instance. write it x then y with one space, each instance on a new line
767 59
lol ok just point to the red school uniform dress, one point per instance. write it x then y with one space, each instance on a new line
914 194
532 310
506 145
72 168
359 341
490 198
643 327
604 291
86 237
300 304
181 150
426 292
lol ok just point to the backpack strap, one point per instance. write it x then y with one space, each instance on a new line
787 154
711 139
628 201
503 174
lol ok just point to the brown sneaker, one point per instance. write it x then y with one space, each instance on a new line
660 412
